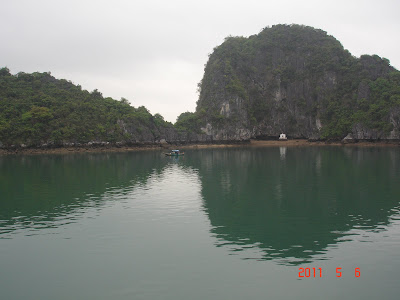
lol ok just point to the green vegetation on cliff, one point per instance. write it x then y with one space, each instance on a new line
299 80
373 111
37 108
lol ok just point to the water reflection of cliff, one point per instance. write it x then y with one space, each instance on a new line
50 190
293 203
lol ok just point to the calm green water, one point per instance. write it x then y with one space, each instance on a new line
215 224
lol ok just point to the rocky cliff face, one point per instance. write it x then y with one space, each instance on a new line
300 81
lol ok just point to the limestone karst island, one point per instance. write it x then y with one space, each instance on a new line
289 79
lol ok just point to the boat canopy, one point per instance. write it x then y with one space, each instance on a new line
174 150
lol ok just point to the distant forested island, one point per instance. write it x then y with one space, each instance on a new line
38 110
290 79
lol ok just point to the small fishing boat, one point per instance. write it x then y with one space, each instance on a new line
175 153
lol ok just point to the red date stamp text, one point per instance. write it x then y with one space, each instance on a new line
317 272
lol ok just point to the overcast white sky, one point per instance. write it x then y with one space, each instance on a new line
153 52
